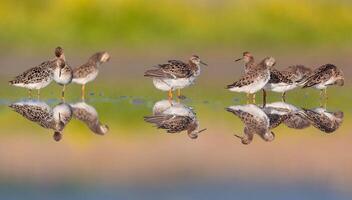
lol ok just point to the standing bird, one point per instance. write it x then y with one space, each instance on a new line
89 116
255 120
175 75
249 62
41 113
254 80
324 76
288 79
174 118
323 120
89 71
39 76
62 76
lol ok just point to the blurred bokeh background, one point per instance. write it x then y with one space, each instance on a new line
135 160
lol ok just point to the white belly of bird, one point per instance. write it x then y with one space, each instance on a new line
253 87
64 79
172 84
86 79
279 87
324 85
35 86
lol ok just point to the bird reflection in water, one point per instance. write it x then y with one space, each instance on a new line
262 120
56 118
175 117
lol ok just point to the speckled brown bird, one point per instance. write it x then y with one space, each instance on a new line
324 76
88 114
41 113
62 75
39 76
175 75
89 71
254 80
174 118
249 62
324 120
255 120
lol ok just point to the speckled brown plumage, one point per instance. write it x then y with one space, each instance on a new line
323 76
171 123
91 66
323 120
173 69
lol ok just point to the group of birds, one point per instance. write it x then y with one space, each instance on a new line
262 120
56 118
60 71
176 75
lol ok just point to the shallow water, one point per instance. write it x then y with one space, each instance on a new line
108 150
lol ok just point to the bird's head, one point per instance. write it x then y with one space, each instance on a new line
246 57
196 60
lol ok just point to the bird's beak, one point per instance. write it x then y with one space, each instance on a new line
238 59
202 130
203 63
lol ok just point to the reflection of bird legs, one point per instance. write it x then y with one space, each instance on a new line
283 97
63 92
178 95
248 98
253 98
264 98
30 94
170 96
38 94
83 92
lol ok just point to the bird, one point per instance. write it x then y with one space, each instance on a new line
39 76
174 118
88 114
288 79
324 76
256 121
254 80
290 114
64 75
249 61
89 71
55 118
324 120
175 75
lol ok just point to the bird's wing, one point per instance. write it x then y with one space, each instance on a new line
280 77
246 79
320 75
83 70
171 123
35 74
320 121
297 121
173 69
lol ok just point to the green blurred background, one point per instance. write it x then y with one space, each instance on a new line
139 34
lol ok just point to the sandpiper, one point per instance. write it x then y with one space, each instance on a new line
39 76
288 79
248 60
324 120
89 71
41 113
291 114
175 75
256 122
254 80
324 76
63 75
174 118
88 114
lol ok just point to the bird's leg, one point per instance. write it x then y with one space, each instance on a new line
326 93
83 92
63 92
264 98
248 98
30 93
170 96
179 93
253 98
283 97
321 94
